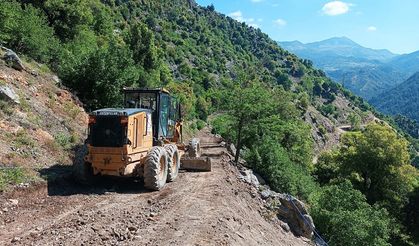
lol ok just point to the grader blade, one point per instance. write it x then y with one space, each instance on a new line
196 163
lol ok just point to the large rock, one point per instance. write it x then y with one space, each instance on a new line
8 94
248 177
294 212
13 60
232 149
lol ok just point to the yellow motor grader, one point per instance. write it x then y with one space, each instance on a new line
142 140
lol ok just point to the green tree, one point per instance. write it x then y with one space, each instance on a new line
377 162
411 215
100 79
344 217
248 103
274 163
69 16
327 168
355 120
26 31
141 41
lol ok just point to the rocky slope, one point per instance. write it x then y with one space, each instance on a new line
40 122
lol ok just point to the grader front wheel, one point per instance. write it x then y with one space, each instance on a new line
156 168
173 162
194 148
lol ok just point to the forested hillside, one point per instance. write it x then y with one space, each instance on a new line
403 99
277 108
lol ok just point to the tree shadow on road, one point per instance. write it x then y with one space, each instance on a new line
60 182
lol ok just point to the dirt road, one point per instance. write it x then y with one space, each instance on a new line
199 208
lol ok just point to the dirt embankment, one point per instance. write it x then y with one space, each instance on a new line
199 208
40 121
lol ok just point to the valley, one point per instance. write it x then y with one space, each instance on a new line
371 74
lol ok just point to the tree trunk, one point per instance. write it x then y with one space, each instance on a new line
239 140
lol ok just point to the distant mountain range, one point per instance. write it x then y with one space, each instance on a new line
342 47
370 73
402 99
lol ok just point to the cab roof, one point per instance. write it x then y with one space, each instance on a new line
118 111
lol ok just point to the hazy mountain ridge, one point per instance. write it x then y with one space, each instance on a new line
403 99
407 63
340 47
366 72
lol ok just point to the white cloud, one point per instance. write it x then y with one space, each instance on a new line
372 29
238 16
254 25
280 22
336 8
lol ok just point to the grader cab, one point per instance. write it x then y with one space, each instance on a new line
142 140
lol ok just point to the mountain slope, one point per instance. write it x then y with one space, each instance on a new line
403 99
362 70
408 63
368 81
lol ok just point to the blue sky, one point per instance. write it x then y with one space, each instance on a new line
379 24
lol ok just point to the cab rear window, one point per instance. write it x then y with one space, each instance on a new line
107 131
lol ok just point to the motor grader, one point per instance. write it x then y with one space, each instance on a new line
142 140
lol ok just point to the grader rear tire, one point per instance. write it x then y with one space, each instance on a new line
194 148
155 168
82 170
173 162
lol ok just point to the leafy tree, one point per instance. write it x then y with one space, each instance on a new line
248 104
328 109
355 120
26 31
377 162
411 217
100 79
141 41
326 169
69 16
344 217
273 162
283 79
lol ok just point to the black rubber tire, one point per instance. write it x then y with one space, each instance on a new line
194 148
173 162
155 168
82 170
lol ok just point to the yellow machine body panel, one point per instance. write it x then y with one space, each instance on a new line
119 149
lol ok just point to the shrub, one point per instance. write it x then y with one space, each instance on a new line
272 161
22 139
64 140
200 124
11 176
344 217
26 31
